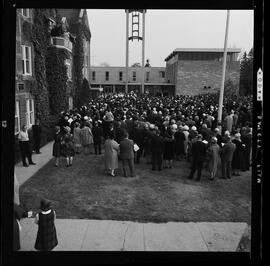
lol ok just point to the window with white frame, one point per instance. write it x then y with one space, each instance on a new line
25 12
70 103
17 117
26 60
30 114
69 72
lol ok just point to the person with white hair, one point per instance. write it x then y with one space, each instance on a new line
186 133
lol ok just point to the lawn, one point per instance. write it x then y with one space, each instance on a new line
83 191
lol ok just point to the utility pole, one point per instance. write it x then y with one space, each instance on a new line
143 47
127 52
223 69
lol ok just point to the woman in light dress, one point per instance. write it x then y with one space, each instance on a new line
111 148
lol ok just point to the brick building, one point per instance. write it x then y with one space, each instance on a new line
112 79
57 23
197 70
25 72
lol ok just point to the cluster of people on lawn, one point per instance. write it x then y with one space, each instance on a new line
160 130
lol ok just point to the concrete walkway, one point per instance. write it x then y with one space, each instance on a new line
106 235
24 173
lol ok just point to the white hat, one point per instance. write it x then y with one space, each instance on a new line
237 135
186 127
152 126
85 117
193 128
174 126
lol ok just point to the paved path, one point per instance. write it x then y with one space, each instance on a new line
24 173
106 235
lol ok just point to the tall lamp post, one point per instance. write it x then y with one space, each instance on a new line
223 69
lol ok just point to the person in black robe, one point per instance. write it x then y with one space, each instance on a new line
37 136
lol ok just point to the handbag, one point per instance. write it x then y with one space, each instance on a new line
136 147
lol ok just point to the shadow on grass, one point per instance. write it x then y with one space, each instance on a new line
83 191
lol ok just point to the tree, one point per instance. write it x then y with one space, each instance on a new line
84 94
136 65
246 73
104 64
230 89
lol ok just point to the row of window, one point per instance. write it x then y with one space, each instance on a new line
25 12
29 115
107 75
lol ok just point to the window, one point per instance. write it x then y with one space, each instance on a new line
120 75
107 75
25 12
21 86
26 60
147 75
134 75
17 117
29 115
68 65
162 74
70 103
93 75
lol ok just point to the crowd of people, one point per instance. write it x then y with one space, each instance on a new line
143 129
160 130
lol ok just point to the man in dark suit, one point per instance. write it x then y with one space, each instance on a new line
127 154
97 132
226 154
157 150
198 151
137 136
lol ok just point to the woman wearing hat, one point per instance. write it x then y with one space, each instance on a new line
46 236
69 150
238 155
213 158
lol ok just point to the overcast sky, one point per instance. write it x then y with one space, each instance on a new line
166 30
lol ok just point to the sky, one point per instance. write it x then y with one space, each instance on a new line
166 30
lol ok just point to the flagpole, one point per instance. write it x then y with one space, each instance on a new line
223 69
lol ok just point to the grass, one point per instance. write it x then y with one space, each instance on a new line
83 191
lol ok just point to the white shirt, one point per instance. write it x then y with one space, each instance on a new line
23 136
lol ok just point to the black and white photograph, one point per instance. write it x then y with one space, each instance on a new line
133 130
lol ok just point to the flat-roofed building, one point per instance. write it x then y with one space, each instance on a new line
113 78
195 70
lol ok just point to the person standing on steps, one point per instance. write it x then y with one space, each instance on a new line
25 148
